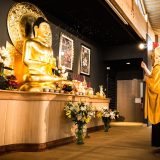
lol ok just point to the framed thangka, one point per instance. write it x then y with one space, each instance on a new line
66 52
85 60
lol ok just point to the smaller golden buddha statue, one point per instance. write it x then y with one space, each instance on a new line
38 59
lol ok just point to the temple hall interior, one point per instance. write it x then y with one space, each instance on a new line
79 79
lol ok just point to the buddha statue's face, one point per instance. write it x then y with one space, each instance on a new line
43 30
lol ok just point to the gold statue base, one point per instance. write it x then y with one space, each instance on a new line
37 86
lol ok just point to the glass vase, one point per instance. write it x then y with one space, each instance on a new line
79 134
106 121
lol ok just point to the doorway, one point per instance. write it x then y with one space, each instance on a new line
127 93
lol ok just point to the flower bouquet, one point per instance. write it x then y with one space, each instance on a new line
61 72
67 87
12 82
8 82
107 115
4 56
81 114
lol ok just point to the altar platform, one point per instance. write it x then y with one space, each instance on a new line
36 121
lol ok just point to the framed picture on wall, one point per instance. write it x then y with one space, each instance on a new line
85 60
66 52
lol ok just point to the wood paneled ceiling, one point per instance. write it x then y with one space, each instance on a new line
153 11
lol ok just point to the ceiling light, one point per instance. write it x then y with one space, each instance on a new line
108 68
128 63
142 46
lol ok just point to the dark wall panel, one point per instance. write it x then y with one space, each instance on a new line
97 67
126 51
4 8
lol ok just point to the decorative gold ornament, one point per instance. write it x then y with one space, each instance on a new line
21 18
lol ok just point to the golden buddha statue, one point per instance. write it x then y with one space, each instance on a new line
38 59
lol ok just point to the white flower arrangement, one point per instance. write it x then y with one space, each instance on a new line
106 112
5 56
80 113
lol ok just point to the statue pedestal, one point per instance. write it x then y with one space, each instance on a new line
37 86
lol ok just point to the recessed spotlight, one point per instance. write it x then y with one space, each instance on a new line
128 63
142 46
108 68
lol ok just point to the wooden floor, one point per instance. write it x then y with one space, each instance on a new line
120 143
